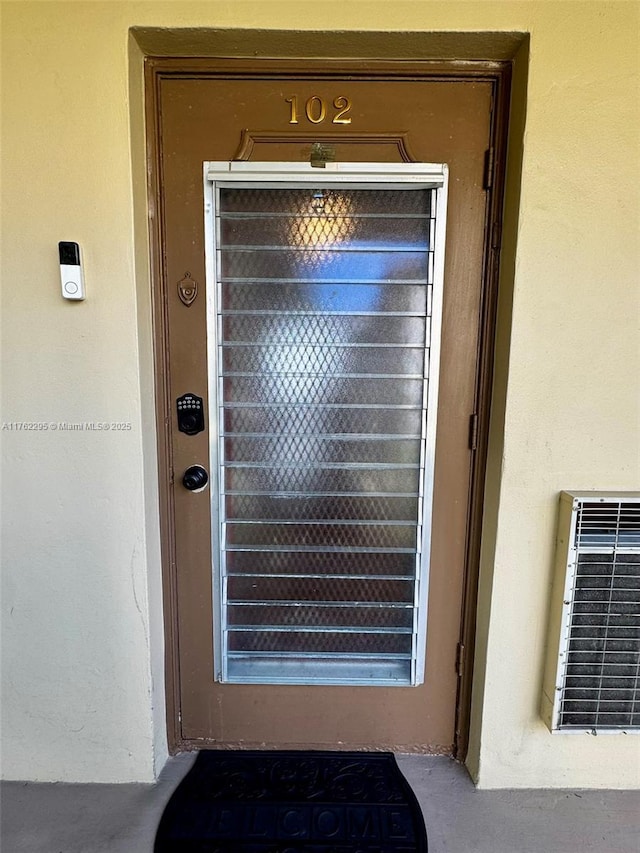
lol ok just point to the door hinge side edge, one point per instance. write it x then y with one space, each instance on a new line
496 235
460 660
489 158
473 431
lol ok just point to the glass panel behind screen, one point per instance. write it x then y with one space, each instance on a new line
324 303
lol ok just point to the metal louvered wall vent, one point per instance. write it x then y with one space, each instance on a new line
592 679
326 352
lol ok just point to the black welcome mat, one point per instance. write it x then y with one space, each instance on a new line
291 801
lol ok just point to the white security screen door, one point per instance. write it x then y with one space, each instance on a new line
324 311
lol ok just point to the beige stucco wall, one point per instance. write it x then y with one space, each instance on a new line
82 649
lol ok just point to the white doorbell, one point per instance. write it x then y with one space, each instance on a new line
71 277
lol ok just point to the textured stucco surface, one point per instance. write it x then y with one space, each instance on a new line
82 646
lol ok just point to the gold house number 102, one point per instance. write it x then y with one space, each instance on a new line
315 109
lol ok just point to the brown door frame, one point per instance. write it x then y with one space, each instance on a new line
498 73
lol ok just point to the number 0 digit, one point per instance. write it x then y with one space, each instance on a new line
320 111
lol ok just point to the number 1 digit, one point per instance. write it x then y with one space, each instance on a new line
293 100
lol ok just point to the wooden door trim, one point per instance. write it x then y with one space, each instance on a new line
251 138
495 176
499 75
160 333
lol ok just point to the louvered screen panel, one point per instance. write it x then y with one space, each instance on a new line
324 323
599 687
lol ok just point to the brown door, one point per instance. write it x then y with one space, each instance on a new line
272 112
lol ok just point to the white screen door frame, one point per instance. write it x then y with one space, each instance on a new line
236 657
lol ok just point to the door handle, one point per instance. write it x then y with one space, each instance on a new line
195 478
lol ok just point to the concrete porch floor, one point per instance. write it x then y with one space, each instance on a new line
60 818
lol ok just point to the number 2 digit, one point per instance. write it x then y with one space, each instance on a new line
343 105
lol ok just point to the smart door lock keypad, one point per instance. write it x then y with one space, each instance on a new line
190 414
